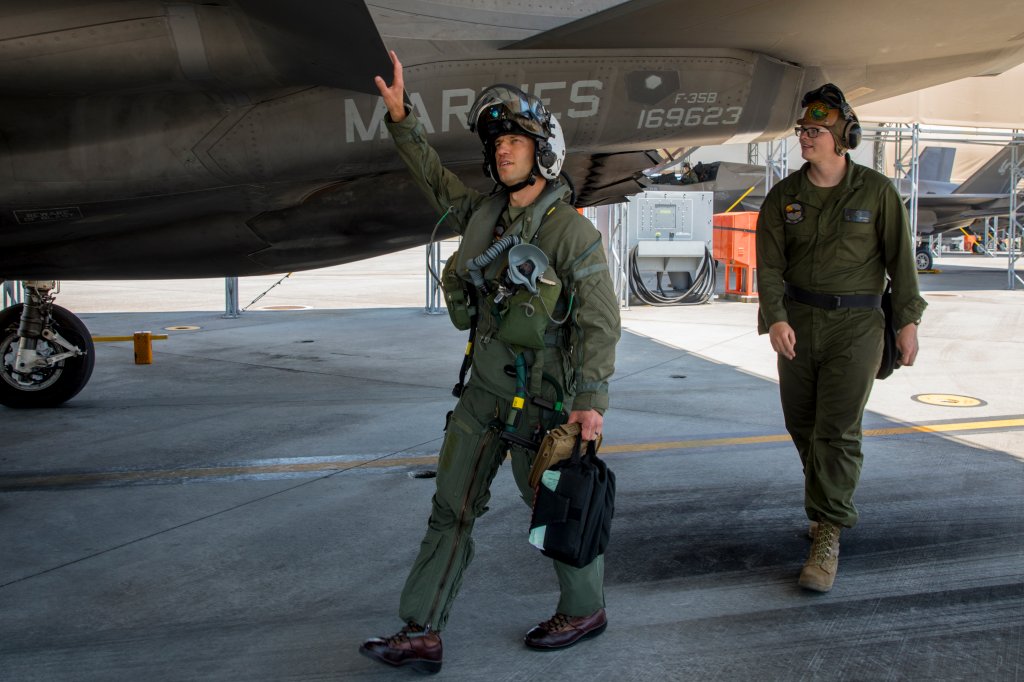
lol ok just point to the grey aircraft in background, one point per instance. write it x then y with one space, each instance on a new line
154 139
944 206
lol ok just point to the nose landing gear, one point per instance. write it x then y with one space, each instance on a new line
46 353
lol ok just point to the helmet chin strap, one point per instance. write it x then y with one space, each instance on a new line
528 182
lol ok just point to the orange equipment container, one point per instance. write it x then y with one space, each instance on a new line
734 235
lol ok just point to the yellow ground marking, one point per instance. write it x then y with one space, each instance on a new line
947 400
110 339
167 475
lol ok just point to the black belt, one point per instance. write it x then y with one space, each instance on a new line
832 301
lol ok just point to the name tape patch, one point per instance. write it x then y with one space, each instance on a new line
856 215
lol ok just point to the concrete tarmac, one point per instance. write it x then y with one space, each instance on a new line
247 507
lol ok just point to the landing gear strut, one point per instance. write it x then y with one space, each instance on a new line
46 353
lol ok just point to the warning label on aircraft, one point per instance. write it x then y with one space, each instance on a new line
47 215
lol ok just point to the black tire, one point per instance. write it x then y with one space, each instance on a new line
924 260
52 386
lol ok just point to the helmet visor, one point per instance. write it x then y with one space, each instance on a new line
500 103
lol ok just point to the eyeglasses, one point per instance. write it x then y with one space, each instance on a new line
811 132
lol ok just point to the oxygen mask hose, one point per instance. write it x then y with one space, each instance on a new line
477 265
519 400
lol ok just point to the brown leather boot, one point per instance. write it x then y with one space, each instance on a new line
411 646
561 631
819 571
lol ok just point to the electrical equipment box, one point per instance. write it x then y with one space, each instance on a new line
671 233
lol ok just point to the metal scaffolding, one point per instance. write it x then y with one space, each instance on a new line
1015 229
905 138
908 139
776 162
612 223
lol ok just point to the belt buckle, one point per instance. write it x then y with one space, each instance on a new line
837 302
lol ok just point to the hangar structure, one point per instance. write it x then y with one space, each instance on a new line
907 141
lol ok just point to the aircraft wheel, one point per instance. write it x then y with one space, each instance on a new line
51 386
924 259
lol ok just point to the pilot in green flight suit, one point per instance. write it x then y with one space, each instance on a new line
569 357
828 236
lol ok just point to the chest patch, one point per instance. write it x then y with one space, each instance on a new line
794 213
856 215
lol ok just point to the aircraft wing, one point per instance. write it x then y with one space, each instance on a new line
88 48
942 213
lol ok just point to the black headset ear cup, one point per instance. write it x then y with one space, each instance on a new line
546 156
852 134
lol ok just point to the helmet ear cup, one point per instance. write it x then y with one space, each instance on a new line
546 156
852 133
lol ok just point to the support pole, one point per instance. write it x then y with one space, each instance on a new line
13 293
231 310
433 273
1015 228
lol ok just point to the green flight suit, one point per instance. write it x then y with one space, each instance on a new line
842 241
580 357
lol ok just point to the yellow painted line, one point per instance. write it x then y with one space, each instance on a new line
946 428
110 339
686 444
168 475
752 440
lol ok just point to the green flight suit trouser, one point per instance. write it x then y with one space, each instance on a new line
469 460
824 390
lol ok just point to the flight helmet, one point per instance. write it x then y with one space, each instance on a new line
506 110
827 107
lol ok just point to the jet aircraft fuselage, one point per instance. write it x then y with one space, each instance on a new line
187 138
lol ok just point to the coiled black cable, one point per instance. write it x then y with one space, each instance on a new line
700 291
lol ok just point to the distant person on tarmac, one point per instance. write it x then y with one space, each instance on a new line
828 238
562 350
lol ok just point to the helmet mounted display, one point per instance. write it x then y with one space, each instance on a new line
827 107
506 110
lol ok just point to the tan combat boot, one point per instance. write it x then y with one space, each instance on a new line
812 530
819 570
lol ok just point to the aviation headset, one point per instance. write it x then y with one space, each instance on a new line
847 133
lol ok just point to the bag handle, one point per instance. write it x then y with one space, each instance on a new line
591 448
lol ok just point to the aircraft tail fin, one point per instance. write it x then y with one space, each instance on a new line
992 178
936 163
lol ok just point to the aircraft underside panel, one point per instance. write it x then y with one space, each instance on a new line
188 184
